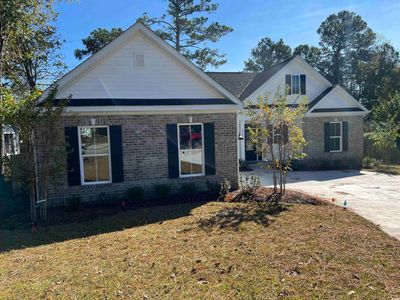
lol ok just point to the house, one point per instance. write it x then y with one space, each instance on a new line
141 114
332 126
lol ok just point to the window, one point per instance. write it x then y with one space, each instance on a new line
95 155
335 136
9 143
277 136
191 153
295 84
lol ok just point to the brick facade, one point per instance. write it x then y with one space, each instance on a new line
317 158
145 158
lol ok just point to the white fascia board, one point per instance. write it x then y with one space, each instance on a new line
152 109
336 114
349 97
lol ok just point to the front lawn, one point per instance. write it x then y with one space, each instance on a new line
204 251
392 169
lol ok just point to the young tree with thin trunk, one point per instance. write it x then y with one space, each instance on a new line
276 132
37 124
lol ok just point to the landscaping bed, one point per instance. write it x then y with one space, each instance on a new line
266 194
218 250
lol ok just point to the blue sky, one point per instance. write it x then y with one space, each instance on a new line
294 21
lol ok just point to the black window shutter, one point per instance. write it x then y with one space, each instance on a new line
73 163
326 135
285 132
209 148
303 84
289 83
173 157
117 164
345 128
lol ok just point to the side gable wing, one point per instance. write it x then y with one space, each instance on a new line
274 78
335 100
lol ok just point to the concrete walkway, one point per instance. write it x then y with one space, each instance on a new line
373 196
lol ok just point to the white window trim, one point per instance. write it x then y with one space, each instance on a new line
81 156
337 136
179 150
291 84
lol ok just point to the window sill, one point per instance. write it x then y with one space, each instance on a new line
95 183
191 176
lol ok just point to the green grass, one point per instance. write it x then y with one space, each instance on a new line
204 251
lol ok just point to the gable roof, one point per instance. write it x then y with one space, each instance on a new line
243 84
354 106
235 82
127 34
320 96
263 77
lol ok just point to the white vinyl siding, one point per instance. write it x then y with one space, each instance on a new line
161 77
95 160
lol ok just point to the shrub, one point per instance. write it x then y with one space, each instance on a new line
212 187
369 162
162 191
225 188
135 194
104 199
74 203
188 189
248 185
242 165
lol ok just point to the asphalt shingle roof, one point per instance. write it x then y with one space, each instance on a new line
243 84
234 82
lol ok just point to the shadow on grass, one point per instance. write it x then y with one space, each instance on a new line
88 224
232 217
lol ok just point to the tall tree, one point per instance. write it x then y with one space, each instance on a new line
266 54
379 76
186 27
311 54
96 40
346 41
37 60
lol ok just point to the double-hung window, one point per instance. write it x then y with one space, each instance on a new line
191 151
335 136
95 154
295 88
277 136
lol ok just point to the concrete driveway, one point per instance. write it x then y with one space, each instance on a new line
373 196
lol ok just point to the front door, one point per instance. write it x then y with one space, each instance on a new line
250 150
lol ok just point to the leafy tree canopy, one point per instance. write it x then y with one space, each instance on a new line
96 40
266 54
311 54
